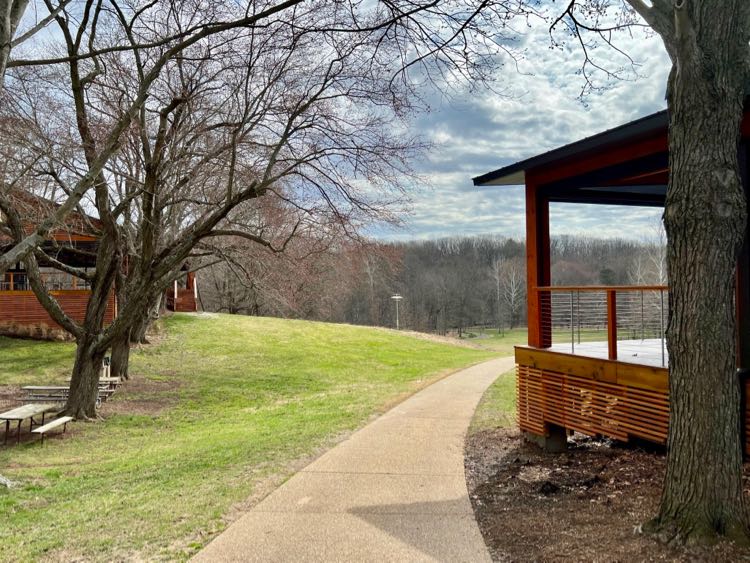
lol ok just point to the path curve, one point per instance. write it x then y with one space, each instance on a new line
394 491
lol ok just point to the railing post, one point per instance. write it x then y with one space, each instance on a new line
572 327
612 323
643 322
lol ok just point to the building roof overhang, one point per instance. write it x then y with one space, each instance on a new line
643 128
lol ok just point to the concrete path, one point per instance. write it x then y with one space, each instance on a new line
394 491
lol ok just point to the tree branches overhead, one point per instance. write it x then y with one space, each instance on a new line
588 25
105 71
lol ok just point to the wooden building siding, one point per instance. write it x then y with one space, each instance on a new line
185 302
22 308
595 397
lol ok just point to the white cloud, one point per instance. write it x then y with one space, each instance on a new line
483 131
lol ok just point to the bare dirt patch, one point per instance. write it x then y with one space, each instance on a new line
10 397
142 396
583 505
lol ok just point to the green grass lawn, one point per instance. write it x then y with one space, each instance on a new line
29 362
501 342
498 405
223 404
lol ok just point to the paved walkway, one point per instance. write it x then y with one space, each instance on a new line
394 491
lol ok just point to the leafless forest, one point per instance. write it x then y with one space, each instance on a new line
447 285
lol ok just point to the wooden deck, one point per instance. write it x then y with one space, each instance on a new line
591 395
649 351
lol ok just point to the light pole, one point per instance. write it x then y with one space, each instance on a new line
396 298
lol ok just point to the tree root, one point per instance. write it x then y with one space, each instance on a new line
681 532
81 416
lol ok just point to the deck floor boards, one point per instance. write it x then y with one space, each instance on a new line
646 352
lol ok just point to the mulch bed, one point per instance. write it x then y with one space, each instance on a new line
583 505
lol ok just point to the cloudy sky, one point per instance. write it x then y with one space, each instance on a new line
478 132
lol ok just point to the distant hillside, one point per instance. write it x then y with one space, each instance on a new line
447 285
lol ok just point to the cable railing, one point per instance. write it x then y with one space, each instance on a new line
624 323
54 281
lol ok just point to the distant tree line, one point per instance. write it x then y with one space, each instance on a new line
448 285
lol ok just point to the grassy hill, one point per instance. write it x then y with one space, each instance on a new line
218 411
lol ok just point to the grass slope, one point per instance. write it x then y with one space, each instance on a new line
23 362
240 398
501 342
497 408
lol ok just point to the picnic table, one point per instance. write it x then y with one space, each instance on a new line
47 393
108 382
59 393
22 413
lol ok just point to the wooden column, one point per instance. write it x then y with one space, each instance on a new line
537 265
612 323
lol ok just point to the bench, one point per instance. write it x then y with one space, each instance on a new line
62 421
107 382
19 414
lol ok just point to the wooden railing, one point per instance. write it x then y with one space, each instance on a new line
629 317
57 281
14 281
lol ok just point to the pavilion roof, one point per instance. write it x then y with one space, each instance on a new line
515 174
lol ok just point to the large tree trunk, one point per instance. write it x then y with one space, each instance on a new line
91 347
120 356
11 12
84 386
138 334
705 217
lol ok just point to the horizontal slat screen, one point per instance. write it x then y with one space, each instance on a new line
589 406
595 407
22 307
185 302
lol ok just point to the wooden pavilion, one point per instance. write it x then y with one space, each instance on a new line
73 243
183 296
596 361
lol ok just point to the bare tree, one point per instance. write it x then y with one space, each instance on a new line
509 276
649 265
303 106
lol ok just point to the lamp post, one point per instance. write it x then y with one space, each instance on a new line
396 298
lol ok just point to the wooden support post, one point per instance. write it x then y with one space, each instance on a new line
612 323
555 440
537 266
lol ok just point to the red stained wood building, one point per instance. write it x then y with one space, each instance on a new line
72 243
596 359
183 296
